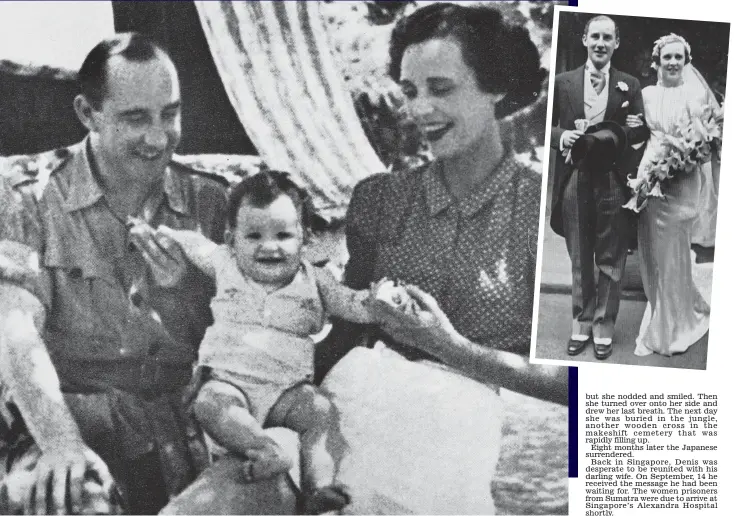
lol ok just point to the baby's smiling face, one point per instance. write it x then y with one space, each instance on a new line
268 241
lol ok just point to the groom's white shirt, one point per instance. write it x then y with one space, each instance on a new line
593 102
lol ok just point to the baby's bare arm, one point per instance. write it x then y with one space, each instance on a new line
343 302
196 247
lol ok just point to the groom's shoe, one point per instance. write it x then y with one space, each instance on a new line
576 346
602 348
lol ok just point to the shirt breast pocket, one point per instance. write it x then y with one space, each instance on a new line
85 292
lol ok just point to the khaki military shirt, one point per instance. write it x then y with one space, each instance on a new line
101 304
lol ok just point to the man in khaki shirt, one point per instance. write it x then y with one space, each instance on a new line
98 329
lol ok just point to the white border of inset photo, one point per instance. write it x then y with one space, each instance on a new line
559 317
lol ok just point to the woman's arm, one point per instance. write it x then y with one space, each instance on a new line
639 133
433 333
503 368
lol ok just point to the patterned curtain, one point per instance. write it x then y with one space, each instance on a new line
277 68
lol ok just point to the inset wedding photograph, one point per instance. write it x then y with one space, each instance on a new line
632 190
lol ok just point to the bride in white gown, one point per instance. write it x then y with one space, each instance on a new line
676 315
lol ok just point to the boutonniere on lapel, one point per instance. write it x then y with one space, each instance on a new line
625 104
622 86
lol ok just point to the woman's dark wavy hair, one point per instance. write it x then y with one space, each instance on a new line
503 57
263 188
133 46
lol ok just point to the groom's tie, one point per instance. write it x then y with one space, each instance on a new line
598 81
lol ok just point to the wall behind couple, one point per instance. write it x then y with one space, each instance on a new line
709 46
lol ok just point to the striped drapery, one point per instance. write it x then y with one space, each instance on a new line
276 65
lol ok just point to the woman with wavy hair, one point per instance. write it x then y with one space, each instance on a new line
419 399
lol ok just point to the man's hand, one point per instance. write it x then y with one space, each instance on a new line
71 473
634 120
164 256
568 138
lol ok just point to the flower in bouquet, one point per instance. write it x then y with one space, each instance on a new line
689 145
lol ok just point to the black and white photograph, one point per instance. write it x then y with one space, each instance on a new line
632 190
275 258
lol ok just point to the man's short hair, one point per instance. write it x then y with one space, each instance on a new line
602 17
133 46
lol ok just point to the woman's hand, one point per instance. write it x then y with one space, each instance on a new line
634 121
427 328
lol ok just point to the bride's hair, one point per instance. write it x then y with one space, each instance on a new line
665 40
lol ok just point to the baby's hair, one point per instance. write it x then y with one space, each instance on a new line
263 188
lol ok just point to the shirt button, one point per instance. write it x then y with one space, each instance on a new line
123 351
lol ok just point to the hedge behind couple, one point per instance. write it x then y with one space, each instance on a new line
589 199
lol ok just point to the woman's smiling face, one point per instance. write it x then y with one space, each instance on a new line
672 60
444 98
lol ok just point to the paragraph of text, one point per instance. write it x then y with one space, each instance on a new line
650 451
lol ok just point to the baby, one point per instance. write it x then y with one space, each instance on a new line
257 355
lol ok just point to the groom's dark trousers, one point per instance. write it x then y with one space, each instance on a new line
587 204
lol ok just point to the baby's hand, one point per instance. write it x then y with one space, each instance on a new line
162 253
394 295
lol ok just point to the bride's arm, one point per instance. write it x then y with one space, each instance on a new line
639 133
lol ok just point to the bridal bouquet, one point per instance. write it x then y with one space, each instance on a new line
682 150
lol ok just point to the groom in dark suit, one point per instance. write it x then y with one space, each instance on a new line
587 204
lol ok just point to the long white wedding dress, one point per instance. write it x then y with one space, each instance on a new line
676 316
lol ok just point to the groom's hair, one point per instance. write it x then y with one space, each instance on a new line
602 17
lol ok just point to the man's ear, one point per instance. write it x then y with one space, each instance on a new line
84 112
